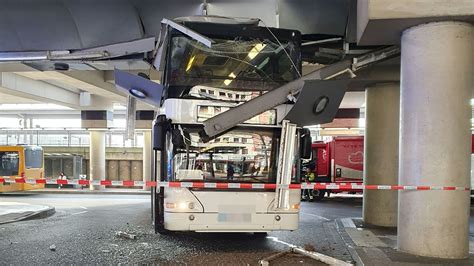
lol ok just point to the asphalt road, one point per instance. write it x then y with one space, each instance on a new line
84 226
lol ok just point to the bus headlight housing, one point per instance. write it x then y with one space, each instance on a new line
180 206
170 205
295 206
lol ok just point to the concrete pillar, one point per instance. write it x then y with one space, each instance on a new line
382 118
436 83
97 156
147 157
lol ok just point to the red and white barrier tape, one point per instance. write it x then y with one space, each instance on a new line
338 186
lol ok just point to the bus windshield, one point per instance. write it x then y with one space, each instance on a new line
244 64
33 157
237 156
9 163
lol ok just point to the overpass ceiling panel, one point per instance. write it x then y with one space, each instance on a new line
38 25
6 29
59 25
105 22
315 16
263 9
67 25
152 12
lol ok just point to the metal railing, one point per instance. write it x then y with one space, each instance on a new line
67 138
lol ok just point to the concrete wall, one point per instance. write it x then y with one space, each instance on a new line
136 170
121 163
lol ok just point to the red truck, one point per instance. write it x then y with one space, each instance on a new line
338 161
341 160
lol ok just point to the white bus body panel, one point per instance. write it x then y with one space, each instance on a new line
186 110
229 211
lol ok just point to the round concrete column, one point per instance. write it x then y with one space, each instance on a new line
435 137
147 157
97 156
382 116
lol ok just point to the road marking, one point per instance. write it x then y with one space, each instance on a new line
347 222
314 215
275 239
79 212
82 207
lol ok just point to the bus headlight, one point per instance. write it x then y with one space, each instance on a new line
183 205
295 206
180 205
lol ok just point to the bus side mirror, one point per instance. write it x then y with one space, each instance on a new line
305 144
160 127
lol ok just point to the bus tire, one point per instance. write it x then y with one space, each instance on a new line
162 231
318 194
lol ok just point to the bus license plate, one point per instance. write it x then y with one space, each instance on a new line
234 217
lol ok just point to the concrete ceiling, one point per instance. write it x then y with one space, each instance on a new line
20 83
353 99
9 99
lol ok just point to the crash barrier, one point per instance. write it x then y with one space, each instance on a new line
131 183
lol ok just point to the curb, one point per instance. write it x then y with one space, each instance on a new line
348 241
35 215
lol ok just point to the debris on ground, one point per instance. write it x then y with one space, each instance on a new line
52 247
309 247
125 235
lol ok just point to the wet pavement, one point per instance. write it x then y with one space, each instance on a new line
17 211
84 226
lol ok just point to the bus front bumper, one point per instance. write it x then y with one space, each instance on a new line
220 222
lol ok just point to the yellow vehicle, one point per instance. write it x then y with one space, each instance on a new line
22 161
